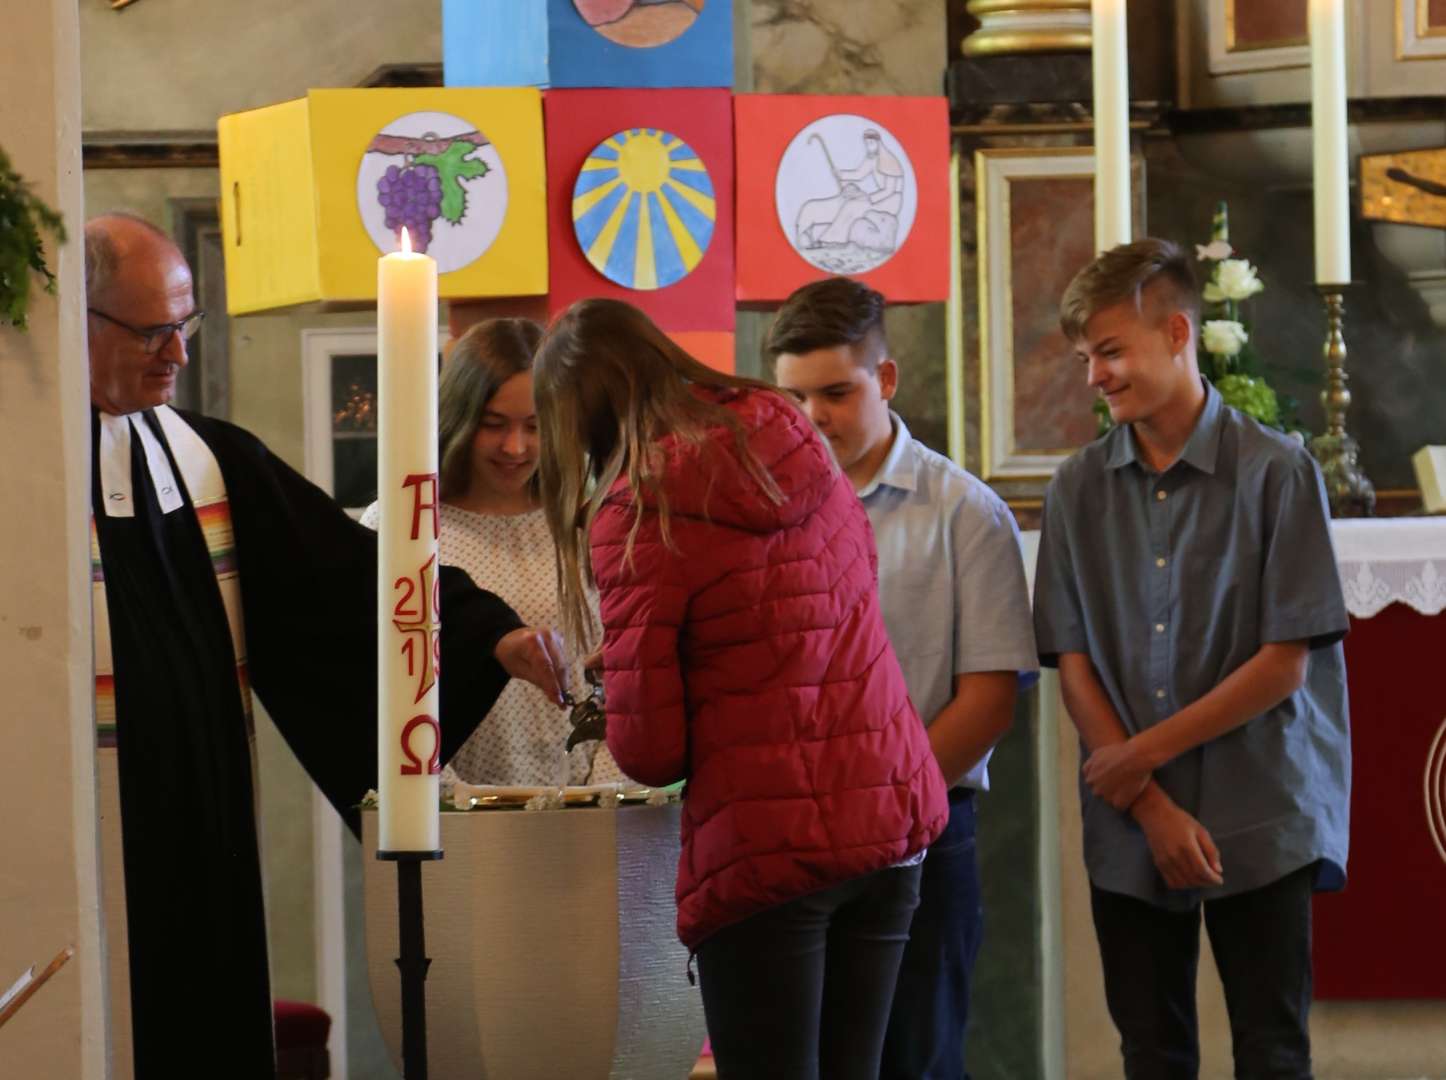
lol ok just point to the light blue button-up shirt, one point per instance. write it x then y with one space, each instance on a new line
1169 582
951 577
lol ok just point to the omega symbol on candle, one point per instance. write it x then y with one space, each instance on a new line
413 766
416 617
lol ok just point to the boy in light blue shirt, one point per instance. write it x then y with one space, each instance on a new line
954 599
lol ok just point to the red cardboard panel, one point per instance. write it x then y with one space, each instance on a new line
713 347
612 139
857 186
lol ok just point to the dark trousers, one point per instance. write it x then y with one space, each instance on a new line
925 1039
801 991
1261 943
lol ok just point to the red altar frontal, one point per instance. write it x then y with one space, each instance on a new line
1382 937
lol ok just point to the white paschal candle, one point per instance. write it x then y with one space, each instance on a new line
1112 123
408 733
1330 154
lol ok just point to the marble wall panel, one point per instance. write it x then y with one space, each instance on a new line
1051 236
844 46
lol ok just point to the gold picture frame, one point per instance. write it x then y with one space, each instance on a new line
997 171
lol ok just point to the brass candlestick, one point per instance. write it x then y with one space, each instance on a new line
1350 493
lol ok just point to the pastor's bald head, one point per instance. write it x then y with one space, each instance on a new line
139 292
119 243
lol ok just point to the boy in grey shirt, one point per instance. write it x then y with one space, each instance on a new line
1188 594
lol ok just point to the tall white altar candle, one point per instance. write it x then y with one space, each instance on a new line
1330 153
1112 124
409 737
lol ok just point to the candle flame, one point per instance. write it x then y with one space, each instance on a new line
406 241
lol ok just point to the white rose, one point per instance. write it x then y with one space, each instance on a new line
1235 279
1224 337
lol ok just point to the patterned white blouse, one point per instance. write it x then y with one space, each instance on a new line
522 740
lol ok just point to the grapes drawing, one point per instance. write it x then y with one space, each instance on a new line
438 177
412 197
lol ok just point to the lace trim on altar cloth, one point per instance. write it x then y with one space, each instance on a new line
1392 561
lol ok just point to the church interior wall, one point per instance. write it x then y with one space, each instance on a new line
172 66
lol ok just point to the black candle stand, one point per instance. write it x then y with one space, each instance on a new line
413 961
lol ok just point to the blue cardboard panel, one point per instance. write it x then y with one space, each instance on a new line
582 55
494 42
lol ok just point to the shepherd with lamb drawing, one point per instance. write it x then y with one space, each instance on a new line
864 211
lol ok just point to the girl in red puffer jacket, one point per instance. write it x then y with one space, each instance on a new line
743 650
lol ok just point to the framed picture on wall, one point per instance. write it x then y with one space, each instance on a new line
1246 36
1420 29
1036 229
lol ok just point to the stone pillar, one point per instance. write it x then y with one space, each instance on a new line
1015 27
49 882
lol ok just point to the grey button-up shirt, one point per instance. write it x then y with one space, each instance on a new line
1169 582
951 577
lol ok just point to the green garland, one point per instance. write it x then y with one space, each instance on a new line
22 217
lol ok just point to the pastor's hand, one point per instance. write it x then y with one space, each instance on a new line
535 654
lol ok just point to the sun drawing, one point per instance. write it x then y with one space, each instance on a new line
643 208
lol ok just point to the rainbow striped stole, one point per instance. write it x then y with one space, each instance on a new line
202 478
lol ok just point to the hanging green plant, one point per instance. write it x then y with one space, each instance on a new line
22 217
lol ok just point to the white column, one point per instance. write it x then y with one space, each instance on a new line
1112 124
49 866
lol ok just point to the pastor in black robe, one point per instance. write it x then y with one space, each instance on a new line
200 993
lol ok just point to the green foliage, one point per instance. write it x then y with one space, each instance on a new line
22 218
453 166
1252 396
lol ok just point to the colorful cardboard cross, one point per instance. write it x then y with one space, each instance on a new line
631 193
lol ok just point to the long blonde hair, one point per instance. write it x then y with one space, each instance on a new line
609 384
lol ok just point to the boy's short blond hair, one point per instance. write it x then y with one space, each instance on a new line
1125 273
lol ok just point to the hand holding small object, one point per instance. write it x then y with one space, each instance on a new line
535 654
589 716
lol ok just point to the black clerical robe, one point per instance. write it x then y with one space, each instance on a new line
200 994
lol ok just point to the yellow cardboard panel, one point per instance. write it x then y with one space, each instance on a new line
464 168
268 220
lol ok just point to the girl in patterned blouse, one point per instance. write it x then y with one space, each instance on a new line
493 528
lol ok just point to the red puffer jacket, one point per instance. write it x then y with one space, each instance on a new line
754 662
